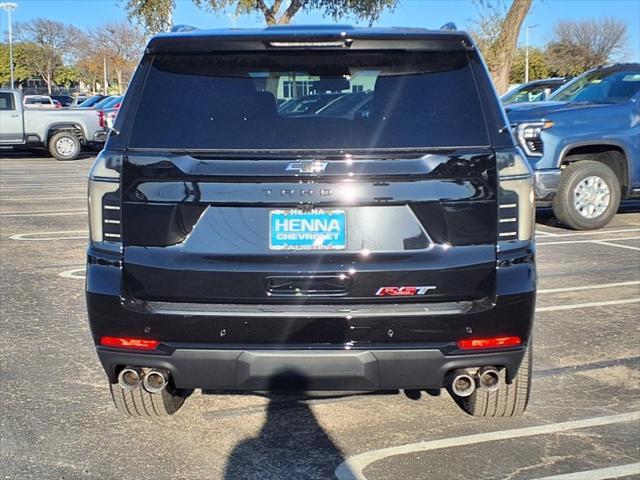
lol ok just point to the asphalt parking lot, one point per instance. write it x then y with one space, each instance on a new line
57 420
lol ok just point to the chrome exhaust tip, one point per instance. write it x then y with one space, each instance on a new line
489 379
462 384
155 380
129 378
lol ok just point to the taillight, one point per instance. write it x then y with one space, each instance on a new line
125 342
490 342
101 118
516 210
104 201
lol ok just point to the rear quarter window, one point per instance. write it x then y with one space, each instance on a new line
6 101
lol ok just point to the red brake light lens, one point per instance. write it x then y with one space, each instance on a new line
491 342
101 118
135 343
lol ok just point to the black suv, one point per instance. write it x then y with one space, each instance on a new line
388 249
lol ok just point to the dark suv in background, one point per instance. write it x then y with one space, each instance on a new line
389 249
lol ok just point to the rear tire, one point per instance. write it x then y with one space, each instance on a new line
64 146
140 403
575 182
509 400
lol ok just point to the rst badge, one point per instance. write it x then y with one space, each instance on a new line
403 291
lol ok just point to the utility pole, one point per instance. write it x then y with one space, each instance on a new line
9 7
104 74
526 53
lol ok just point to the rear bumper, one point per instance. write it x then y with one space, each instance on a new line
221 369
245 349
100 136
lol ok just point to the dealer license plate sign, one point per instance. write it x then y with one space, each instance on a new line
307 230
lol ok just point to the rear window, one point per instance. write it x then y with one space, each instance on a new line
38 101
309 101
6 101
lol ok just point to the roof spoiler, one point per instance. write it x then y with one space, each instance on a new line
449 26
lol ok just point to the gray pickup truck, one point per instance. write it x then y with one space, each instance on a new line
63 132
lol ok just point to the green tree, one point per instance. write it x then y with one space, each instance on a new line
537 65
20 71
66 76
156 15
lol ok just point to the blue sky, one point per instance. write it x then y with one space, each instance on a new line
410 13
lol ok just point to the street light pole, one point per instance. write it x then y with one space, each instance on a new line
9 7
104 74
526 53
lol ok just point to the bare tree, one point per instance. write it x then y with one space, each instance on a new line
497 37
578 46
121 44
486 30
52 42
90 66
156 15
508 41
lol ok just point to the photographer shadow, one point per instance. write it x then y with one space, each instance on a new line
291 443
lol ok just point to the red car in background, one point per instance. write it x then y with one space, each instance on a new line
109 111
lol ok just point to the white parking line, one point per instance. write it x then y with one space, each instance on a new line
41 173
16 186
595 232
352 468
73 273
588 287
546 234
599 474
42 197
34 181
566 242
587 305
45 213
38 237
629 247
38 176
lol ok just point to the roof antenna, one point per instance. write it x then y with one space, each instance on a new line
449 26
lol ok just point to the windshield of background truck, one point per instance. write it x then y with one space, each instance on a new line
230 101
604 86
533 93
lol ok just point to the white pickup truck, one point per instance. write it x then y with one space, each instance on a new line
62 131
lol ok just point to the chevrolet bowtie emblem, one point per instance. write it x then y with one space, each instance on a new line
307 166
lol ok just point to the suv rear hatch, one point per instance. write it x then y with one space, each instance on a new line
228 199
